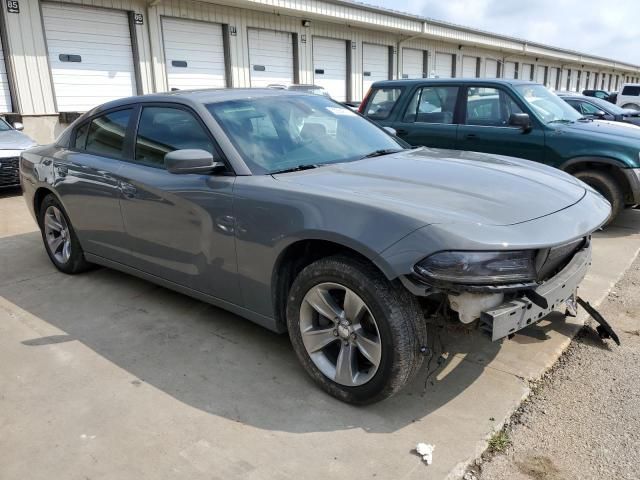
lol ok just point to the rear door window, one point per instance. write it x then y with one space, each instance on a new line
432 105
631 91
106 134
382 102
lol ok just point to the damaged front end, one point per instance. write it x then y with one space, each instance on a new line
504 291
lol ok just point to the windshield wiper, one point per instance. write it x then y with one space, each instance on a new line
381 152
299 168
560 120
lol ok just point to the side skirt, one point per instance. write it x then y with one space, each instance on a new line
261 320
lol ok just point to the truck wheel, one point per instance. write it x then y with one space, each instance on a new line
60 240
356 334
607 186
631 106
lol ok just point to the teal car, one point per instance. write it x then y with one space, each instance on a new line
512 118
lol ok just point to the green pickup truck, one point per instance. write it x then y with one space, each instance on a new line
513 118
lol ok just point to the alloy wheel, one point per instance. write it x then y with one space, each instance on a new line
340 334
57 234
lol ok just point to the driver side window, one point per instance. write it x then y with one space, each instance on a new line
489 107
164 129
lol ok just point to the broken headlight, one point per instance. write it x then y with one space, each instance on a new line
479 268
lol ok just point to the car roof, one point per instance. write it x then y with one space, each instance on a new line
448 81
203 96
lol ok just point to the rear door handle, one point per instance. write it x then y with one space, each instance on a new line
470 136
401 132
128 190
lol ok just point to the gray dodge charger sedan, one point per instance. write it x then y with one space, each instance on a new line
300 215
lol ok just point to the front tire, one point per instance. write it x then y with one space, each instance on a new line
60 240
608 187
356 334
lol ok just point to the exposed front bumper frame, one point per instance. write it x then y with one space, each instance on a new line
519 313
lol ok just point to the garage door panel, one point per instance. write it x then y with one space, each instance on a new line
412 63
103 41
444 65
199 46
330 58
469 66
375 61
272 52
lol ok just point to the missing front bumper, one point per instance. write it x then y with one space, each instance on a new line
519 313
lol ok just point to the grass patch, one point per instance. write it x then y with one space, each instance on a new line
499 442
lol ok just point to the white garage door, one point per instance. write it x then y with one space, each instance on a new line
270 57
540 69
509 70
553 78
194 54
444 65
491 68
412 63
5 96
526 71
90 55
330 66
375 65
469 65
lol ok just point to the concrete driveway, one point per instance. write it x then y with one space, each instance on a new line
103 375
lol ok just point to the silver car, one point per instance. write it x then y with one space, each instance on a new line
300 215
12 143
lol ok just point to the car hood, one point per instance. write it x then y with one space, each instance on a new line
15 140
601 127
444 186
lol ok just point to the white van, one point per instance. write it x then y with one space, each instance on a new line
629 96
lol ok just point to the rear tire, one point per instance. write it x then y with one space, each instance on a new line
60 240
607 186
382 340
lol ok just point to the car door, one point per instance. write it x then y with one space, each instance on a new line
430 118
485 126
88 183
180 227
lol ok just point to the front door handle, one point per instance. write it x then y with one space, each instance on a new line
400 132
128 190
471 136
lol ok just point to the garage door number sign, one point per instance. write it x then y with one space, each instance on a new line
13 6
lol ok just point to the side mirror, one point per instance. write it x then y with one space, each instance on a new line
390 131
191 161
599 114
520 120
18 126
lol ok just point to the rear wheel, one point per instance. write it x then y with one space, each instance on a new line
356 334
60 240
608 187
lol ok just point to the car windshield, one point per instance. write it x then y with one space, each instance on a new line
548 106
283 132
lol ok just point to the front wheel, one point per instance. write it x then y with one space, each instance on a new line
607 186
356 334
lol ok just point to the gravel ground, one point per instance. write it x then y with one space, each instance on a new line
583 419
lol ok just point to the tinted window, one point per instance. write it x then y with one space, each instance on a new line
631 91
280 132
588 109
382 102
81 137
432 105
489 107
163 129
106 133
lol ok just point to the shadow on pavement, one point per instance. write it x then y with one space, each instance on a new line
211 359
